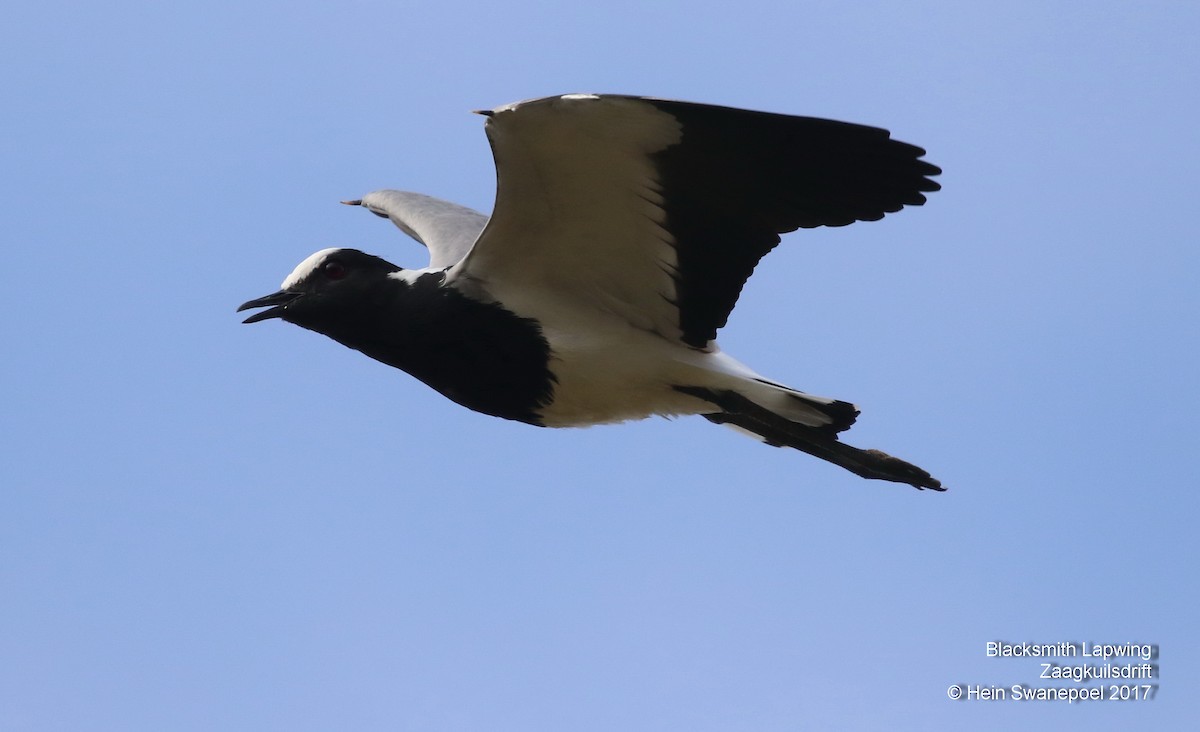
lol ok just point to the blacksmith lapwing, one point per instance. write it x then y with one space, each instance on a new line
624 229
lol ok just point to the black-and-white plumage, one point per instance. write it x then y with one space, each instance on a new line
623 231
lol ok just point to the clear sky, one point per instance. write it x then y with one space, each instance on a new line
207 526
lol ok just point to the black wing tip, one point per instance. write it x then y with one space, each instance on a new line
927 169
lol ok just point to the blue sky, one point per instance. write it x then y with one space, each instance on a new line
212 526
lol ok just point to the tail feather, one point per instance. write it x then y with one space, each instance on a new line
841 414
741 413
828 416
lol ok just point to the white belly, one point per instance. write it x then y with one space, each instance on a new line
608 371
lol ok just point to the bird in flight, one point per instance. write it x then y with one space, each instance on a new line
623 231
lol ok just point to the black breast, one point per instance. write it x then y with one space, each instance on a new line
477 353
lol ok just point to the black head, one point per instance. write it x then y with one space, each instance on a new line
330 287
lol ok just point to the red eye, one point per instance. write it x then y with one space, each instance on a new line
334 270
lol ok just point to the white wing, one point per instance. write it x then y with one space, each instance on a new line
658 211
579 207
447 229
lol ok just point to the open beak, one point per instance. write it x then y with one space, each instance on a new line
277 302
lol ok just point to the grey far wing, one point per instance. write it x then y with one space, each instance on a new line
660 210
447 229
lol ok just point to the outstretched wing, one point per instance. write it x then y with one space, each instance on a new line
658 211
447 229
